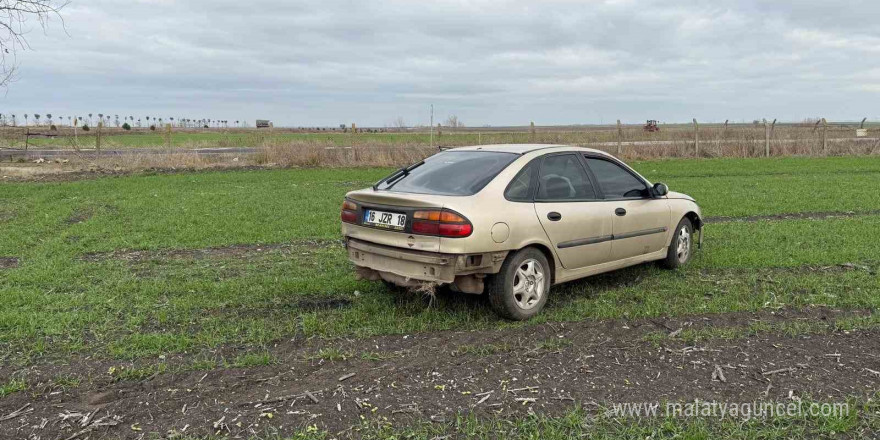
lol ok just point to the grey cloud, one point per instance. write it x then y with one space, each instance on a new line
490 62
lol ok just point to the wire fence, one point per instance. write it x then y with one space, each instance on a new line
758 139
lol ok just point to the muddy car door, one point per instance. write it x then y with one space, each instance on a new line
575 220
640 221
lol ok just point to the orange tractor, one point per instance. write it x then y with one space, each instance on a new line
651 126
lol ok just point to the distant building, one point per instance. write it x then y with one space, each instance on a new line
263 123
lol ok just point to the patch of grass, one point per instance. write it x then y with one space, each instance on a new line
67 381
553 344
247 360
179 210
13 386
376 357
578 423
331 354
774 166
647 291
858 422
202 364
739 196
58 303
790 243
787 328
123 373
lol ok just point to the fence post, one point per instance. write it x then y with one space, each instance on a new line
168 136
75 138
619 139
772 129
532 129
824 136
766 139
696 138
98 136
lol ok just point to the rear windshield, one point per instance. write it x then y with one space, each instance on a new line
451 173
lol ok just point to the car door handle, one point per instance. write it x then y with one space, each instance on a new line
554 216
620 212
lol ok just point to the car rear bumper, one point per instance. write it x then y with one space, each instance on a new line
408 267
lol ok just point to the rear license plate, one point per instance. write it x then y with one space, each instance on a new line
387 220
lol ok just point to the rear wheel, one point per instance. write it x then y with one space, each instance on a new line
681 246
519 290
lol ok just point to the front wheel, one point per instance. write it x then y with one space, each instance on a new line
681 246
519 290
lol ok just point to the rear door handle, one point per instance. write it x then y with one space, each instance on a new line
620 212
554 216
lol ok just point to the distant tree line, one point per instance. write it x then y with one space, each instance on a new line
92 119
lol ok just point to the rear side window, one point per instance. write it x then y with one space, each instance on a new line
615 181
564 178
452 173
519 189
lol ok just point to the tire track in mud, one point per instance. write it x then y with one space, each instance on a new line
545 369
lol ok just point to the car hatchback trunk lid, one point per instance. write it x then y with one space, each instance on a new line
396 199
395 203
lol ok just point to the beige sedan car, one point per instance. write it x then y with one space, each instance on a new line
512 220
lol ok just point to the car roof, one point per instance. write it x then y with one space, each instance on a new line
523 148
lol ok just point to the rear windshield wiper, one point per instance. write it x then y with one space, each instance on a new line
397 175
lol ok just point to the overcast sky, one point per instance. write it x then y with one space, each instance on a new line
489 62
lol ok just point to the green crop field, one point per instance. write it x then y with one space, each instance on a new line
58 303
136 268
114 138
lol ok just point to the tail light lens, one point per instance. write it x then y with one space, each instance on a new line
349 212
444 223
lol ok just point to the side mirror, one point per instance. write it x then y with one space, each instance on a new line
660 189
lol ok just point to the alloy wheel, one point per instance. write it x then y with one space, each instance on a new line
528 284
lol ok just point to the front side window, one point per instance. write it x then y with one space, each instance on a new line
615 181
563 177
451 173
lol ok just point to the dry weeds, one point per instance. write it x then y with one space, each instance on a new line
318 154
390 151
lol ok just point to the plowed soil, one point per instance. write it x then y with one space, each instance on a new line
544 368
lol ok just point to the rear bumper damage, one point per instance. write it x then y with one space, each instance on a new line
410 268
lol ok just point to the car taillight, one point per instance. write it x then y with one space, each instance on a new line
444 223
349 212
448 230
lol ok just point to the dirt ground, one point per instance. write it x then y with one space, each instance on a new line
544 368
53 172
8 262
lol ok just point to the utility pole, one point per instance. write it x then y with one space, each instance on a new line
432 125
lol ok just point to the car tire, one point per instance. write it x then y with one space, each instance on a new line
520 289
681 246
